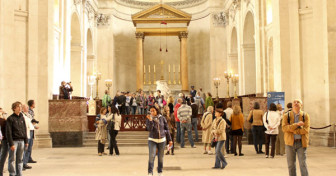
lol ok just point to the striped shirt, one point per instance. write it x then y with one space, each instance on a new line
184 113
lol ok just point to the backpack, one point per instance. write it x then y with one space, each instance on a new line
288 119
110 125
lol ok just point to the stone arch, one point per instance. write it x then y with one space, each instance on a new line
90 58
249 60
76 56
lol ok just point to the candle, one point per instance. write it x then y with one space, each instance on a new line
174 68
148 68
154 68
169 68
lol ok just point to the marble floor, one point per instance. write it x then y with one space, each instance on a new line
185 162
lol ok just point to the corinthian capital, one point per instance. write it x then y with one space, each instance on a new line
139 35
183 35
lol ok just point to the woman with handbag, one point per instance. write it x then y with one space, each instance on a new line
101 131
114 123
218 130
157 127
255 118
206 124
237 125
271 121
171 125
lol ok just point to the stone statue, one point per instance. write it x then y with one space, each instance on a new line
162 85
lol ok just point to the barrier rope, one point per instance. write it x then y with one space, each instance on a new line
320 127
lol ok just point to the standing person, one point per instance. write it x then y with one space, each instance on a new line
114 121
237 124
133 103
101 131
218 130
296 125
16 134
200 103
271 121
202 94
177 120
4 143
160 100
31 104
206 124
208 101
171 105
145 104
194 119
229 139
257 127
180 95
184 115
107 100
193 91
141 103
65 90
151 100
122 102
30 133
280 141
157 127
171 125
128 103
109 112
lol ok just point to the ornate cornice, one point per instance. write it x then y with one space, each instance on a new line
219 19
144 4
102 19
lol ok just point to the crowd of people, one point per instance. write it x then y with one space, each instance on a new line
17 136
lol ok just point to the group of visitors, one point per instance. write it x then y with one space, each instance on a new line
17 135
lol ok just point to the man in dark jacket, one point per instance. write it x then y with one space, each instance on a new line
122 102
194 120
16 134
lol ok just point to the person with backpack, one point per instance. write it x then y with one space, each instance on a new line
107 100
114 124
271 121
296 125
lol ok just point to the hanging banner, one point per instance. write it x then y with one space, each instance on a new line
276 98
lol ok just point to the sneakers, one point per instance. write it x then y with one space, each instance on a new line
210 152
205 152
266 156
193 146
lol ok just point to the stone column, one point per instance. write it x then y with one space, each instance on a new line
139 60
184 60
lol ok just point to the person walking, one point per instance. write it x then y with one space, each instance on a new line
218 131
114 124
255 117
177 120
237 125
158 135
296 125
206 124
271 121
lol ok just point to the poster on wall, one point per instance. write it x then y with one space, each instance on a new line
276 98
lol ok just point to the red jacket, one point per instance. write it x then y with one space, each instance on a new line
177 106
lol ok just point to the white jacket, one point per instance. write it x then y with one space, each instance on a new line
117 121
273 119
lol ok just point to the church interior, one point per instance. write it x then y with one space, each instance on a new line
229 48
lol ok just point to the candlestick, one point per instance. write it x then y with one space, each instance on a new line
148 68
216 83
174 68
154 68
228 76
169 68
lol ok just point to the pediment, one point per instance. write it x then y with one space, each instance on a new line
161 12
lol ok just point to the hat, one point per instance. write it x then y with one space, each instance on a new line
34 121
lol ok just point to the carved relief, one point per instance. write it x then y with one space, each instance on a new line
162 13
102 19
77 1
143 5
219 19
90 10
235 6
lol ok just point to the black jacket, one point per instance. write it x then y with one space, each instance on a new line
194 110
16 129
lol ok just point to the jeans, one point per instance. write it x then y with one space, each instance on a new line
258 133
15 162
301 152
113 142
178 132
27 154
153 146
134 108
194 122
141 110
3 155
270 139
128 110
109 138
186 126
220 160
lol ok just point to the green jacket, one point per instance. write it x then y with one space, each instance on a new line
208 102
107 100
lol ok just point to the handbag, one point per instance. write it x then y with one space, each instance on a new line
110 125
251 119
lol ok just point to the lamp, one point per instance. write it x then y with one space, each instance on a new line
108 84
228 76
216 83
235 80
91 81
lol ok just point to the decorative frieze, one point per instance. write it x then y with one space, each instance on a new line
144 4
102 19
219 19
